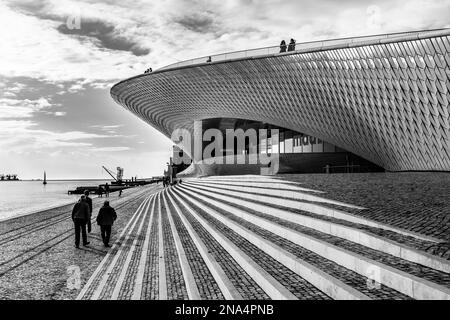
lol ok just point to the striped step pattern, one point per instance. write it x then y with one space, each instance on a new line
257 237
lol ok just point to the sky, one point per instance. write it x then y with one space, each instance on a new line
59 59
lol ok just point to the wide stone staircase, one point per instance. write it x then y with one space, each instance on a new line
254 237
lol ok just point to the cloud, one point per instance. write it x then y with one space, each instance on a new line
120 39
33 47
12 112
106 36
107 127
14 108
13 89
197 22
22 136
110 149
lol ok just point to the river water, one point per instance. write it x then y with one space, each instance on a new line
23 197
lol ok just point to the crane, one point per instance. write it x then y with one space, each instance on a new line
119 173
109 172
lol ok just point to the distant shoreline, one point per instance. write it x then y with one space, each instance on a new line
37 180
71 179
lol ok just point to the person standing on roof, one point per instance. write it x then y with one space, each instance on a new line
282 46
291 46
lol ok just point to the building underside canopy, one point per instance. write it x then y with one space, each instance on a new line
386 101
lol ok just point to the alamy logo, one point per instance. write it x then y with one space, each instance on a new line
73 277
373 277
236 147
73 21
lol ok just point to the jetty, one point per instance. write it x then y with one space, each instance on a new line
117 184
9 177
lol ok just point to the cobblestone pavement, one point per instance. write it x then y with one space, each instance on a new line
400 238
204 280
296 284
202 240
37 251
176 287
416 201
347 276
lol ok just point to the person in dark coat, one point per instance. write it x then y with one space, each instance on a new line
105 219
283 46
100 191
291 46
89 202
80 215
107 190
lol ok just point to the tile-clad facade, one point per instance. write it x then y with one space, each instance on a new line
386 101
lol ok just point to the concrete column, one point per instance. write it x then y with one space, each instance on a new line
197 142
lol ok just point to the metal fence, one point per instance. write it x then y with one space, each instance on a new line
312 45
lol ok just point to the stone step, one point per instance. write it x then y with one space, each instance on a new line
123 289
175 279
162 281
204 267
249 177
111 275
275 192
148 261
243 284
273 184
146 257
326 275
273 288
361 261
99 279
277 281
349 231
149 287
186 271
317 209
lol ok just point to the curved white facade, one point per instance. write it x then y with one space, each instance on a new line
384 100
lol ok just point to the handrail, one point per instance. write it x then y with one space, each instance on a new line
313 45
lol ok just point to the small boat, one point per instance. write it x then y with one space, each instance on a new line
45 178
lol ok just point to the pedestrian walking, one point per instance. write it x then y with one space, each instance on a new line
283 46
107 190
105 219
291 46
89 202
100 191
80 215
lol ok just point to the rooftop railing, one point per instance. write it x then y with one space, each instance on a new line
313 45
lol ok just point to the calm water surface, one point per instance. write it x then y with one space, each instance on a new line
22 197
